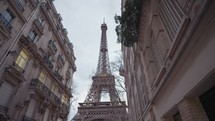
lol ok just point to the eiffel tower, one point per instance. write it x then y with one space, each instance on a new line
94 108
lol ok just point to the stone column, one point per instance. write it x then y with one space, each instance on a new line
191 110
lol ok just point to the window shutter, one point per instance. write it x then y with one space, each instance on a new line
31 108
6 90
173 17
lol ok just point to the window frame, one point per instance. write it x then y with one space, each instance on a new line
4 17
33 36
42 79
21 58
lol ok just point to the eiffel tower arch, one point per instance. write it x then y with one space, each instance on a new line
93 108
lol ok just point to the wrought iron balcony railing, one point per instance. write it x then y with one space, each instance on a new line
36 83
5 21
25 118
17 67
60 59
58 75
19 4
52 46
48 63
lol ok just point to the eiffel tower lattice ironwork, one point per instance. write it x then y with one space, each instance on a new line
93 108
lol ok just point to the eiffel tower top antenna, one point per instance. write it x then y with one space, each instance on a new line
103 67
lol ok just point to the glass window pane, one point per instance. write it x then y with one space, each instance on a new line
42 77
22 59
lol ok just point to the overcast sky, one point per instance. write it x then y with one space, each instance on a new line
83 19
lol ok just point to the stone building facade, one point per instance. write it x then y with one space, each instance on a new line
170 71
36 62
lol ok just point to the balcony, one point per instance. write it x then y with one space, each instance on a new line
60 60
52 46
58 75
19 4
25 118
17 67
5 22
37 84
48 63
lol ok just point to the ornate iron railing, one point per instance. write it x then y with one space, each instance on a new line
52 46
60 58
48 63
45 90
5 21
17 67
58 75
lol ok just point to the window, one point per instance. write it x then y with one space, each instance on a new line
64 99
54 88
58 69
6 91
33 36
156 53
41 21
6 17
42 76
22 2
177 117
173 17
22 58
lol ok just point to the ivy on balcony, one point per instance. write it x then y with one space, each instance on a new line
128 23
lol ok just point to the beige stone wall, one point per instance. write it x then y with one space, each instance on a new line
25 88
174 65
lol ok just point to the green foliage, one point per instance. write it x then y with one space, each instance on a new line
127 30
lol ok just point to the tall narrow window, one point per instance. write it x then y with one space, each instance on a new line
157 55
22 2
58 69
42 76
22 58
41 21
54 89
6 91
33 36
64 99
6 17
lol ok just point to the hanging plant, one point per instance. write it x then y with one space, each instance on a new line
127 30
